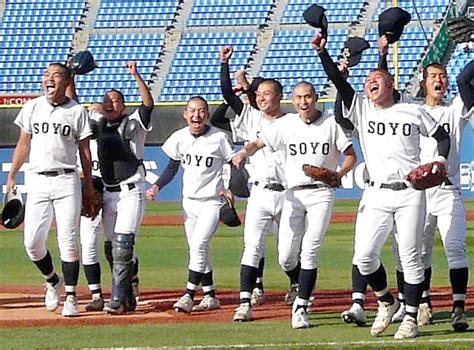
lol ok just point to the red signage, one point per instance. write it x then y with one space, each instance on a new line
15 99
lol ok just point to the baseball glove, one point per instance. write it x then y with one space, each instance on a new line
427 175
97 199
329 177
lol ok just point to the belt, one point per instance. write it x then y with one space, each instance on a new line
119 188
394 186
309 187
57 172
271 186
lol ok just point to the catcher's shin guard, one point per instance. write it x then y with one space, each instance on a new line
122 252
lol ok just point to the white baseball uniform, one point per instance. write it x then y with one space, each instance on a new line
265 203
308 203
53 184
202 159
390 142
445 207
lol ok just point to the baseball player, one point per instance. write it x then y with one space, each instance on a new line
445 207
389 199
53 128
265 203
306 137
120 146
202 150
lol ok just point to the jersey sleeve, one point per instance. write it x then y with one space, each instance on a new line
272 137
83 125
23 119
355 112
428 124
171 146
343 139
227 149
136 116
459 109
240 124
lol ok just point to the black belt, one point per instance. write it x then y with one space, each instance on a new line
394 186
118 188
56 172
272 186
309 187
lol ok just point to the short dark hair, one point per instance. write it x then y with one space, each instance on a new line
67 71
197 97
385 72
434 65
276 84
118 92
305 83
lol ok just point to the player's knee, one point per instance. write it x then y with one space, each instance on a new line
287 262
35 253
122 247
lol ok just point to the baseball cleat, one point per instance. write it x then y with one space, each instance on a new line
400 314
243 313
114 307
407 329
299 318
355 314
291 294
425 315
459 320
96 304
184 304
52 298
70 308
258 297
207 303
384 316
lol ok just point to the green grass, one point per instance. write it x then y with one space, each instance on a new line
163 264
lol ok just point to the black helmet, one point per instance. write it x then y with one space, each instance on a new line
13 212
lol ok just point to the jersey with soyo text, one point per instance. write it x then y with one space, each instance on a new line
202 158
319 143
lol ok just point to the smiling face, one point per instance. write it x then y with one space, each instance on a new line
113 106
196 115
56 79
435 83
304 100
268 98
378 88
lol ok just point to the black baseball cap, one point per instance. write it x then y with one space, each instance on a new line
315 17
228 215
391 23
353 48
238 182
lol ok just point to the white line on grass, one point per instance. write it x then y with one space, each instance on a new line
312 344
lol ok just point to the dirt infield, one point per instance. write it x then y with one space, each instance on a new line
22 306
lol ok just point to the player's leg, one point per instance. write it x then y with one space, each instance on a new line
410 218
292 228
318 205
425 310
258 222
130 208
90 232
452 227
372 231
38 219
67 206
135 278
400 314
201 222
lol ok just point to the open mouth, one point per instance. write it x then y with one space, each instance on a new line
374 88
438 88
304 108
50 88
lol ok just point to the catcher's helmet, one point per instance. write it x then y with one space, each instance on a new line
13 212
83 63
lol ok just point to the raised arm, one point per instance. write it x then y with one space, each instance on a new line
465 82
342 86
147 99
383 52
231 98
218 118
